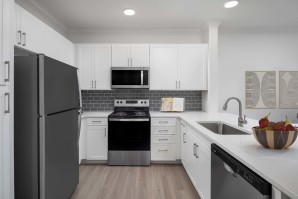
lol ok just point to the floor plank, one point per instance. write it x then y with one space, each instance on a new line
117 182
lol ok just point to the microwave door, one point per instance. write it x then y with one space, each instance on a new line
129 78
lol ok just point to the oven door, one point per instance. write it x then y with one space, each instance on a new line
129 135
130 77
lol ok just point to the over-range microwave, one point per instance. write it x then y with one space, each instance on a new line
130 77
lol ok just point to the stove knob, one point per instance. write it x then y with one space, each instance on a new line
120 102
145 102
117 102
141 102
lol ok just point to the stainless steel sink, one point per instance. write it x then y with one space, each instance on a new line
222 128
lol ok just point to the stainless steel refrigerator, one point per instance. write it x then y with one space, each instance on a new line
47 124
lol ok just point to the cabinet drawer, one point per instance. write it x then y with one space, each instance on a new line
163 152
161 139
163 130
163 122
97 121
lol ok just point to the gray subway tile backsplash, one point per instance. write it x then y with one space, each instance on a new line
103 100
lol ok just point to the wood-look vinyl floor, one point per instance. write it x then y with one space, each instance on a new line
123 182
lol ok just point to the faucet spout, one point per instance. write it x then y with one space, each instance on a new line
241 120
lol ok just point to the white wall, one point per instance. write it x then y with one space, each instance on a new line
254 51
138 36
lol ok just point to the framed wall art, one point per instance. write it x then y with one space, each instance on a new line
260 89
288 89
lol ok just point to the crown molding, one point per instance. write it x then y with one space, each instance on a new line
259 30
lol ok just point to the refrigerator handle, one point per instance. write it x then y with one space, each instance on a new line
80 111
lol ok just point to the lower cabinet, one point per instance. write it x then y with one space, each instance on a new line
163 139
97 142
196 159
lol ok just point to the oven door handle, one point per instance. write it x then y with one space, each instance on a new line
128 120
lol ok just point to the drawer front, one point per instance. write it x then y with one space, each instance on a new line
163 130
97 121
164 152
163 121
163 139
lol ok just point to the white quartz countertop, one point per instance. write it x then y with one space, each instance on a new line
279 167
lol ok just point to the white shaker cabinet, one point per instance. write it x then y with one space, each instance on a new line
94 63
30 31
58 47
135 55
97 142
192 70
178 67
163 67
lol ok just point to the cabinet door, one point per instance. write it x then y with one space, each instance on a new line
1 138
192 60
33 32
102 68
163 67
86 66
58 47
121 55
97 143
17 20
204 173
140 55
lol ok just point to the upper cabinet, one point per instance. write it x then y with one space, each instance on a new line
94 63
124 55
30 31
178 67
56 46
192 70
34 35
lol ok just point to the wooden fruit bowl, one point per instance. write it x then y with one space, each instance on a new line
275 139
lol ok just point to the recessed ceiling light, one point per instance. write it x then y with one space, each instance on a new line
231 4
129 12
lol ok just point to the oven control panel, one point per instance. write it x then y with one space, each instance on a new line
131 103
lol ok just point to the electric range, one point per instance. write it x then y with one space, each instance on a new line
129 137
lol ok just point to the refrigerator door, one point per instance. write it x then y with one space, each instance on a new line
59 159
58 86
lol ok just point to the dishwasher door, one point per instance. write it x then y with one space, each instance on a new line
230 179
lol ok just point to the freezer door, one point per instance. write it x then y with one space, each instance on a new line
58 86
59 157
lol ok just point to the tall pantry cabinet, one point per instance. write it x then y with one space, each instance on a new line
6 99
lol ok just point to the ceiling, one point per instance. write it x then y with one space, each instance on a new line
170 14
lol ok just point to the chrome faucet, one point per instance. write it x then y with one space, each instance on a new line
241 120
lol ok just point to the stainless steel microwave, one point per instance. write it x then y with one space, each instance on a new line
130 77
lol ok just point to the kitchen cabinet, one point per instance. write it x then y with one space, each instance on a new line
196 159
178 67
56 46
163 67
34 35
163 139
94 63
136 55
97 142
30 31
192 66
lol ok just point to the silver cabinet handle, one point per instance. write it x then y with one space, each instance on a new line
92 83
24 39
163 150
182 124
197 146
194 149
95 83
176 84
19 37
7 103
163 139
184 137
7 71
105 132
163 122
96 121
163 131
179 84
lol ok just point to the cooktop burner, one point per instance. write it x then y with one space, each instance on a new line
130 114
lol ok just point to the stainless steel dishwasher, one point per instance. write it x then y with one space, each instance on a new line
230 179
